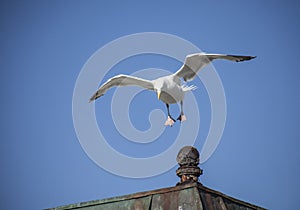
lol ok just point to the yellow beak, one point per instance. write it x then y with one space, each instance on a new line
158 94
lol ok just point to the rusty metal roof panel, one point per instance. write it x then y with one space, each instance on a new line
215 200
138 204
181 199
192 196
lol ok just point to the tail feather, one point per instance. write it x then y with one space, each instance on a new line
186 88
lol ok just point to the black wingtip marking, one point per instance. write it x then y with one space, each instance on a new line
93 98
243 58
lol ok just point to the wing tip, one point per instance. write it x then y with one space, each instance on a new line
94 97
244 58
252 57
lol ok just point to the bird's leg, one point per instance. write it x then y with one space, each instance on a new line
181 117
170 121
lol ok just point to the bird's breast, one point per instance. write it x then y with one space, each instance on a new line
172 96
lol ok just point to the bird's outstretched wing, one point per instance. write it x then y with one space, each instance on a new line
195 62
122 80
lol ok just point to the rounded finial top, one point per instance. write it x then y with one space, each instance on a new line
188 155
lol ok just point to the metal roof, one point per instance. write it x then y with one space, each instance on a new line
190 196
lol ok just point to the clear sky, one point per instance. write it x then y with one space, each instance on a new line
44 46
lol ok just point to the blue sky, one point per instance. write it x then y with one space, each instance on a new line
44 45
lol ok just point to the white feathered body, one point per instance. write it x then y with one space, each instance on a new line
172 91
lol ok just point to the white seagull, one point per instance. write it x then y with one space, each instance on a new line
169 88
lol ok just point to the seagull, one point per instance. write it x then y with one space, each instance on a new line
169 89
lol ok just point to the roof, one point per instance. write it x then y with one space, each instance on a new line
191 196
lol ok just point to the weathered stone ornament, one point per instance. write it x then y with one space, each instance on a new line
188 160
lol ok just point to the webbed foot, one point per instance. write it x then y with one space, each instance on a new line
181 118
170 121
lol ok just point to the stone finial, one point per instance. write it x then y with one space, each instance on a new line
188 160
